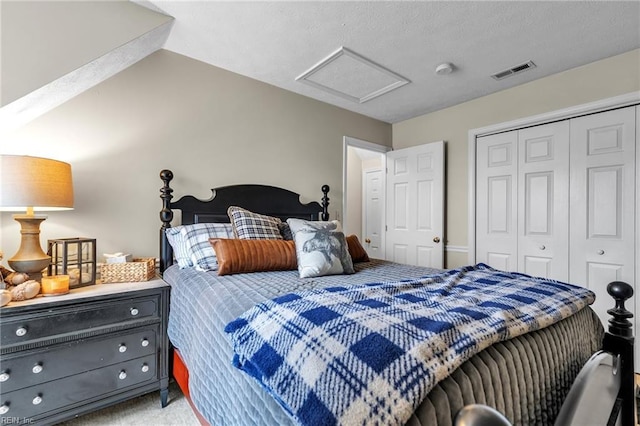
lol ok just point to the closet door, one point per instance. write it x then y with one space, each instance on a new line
543 201
603 194
496 200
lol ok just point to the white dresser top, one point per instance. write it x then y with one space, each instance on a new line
99 289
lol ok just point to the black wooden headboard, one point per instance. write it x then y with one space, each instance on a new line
263 199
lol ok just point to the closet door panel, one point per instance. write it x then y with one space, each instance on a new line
497 184
543 201
603 191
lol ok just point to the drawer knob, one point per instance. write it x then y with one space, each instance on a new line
122 375
145 368
21 331
600 252
4 376
37 368
134 311
37 400
122 348
4 409
542 247
145 343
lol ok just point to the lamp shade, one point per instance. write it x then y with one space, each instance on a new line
34 182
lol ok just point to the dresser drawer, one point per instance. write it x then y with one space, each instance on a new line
39 366
39 399
47 324
96 346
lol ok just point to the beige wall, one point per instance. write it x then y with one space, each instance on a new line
210 126
603 79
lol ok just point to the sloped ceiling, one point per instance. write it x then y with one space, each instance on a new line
52 50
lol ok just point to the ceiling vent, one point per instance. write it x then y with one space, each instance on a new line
514 70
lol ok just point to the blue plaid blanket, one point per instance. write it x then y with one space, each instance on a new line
369 354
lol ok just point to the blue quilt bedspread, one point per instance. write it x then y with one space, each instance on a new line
369 354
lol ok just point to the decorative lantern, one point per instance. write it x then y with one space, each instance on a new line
75 257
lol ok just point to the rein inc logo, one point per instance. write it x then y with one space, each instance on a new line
6 420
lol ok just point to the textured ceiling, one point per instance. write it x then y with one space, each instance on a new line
276 42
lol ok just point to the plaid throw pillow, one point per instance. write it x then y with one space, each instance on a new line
191 244
180 247
253 226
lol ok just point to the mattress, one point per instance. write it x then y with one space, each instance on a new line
526 378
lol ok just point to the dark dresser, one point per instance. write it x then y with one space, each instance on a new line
64 356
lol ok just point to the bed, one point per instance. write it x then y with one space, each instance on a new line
526 377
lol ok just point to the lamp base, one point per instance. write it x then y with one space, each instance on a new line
30 258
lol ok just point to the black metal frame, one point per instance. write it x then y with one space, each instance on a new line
263 199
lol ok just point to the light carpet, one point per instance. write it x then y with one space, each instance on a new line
143 411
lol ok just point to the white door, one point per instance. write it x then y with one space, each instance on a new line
496 198
415 205
543 201
372 213
602 204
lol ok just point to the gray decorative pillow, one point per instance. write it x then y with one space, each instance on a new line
191 246
253 226
321 248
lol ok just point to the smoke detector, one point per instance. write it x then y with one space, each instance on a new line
444 68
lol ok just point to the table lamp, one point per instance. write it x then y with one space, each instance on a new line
33 184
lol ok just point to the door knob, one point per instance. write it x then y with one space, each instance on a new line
367 240
436 239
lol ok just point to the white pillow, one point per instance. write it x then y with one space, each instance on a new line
191 245
321 248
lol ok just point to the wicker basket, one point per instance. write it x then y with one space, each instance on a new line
141 269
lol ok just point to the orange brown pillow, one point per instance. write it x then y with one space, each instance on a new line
239 256
357 252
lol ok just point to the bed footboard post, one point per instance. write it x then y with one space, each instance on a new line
325 202
166 216
618 340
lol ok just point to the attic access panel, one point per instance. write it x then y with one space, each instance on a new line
346 74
